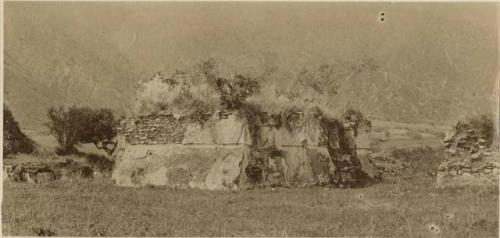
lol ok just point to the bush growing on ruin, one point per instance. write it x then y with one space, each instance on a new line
14 140
208 87
233 94
362 121
199 91
316 86
77 125
482 125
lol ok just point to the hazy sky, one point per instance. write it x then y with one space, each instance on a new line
288 34
445 50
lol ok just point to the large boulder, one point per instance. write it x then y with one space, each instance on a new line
225 172
221 167
211 167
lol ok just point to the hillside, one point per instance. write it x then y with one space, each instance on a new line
48 65
435 63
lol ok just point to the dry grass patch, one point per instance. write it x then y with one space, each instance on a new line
98 208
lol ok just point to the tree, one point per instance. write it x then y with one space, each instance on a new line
14 140
73 126
233 94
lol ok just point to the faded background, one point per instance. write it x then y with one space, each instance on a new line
438 62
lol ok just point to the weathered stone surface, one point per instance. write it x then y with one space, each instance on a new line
219 167
226 170
230 131
198 134
171 165
305 131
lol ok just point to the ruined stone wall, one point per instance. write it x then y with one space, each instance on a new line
155 129
469 161
458 171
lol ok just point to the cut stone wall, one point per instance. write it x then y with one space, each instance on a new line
222 153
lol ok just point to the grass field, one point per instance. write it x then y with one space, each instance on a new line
407 208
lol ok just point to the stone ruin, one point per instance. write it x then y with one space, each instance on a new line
469 160
226 151
31 172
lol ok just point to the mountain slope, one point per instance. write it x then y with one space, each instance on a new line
437 62
48 65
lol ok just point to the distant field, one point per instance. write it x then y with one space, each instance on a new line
416 126
390 135
410 208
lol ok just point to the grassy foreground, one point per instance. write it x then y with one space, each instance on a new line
412 208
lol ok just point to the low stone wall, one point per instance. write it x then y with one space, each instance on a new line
167 129
155 129
459 171
46 172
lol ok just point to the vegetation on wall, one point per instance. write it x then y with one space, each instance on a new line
210 87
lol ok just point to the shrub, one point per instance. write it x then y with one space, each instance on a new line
14 140
199 91
233 94
73 126
358 117
484 126
480 125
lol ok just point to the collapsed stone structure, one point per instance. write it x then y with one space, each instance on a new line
470 160
45 172
225 151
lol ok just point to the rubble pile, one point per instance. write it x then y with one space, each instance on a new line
469 160
389 166
46 172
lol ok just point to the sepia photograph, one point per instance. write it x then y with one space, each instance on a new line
250 119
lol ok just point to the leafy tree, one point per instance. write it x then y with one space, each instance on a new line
14 140
74 125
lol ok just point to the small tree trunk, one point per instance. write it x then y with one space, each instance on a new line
103 145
